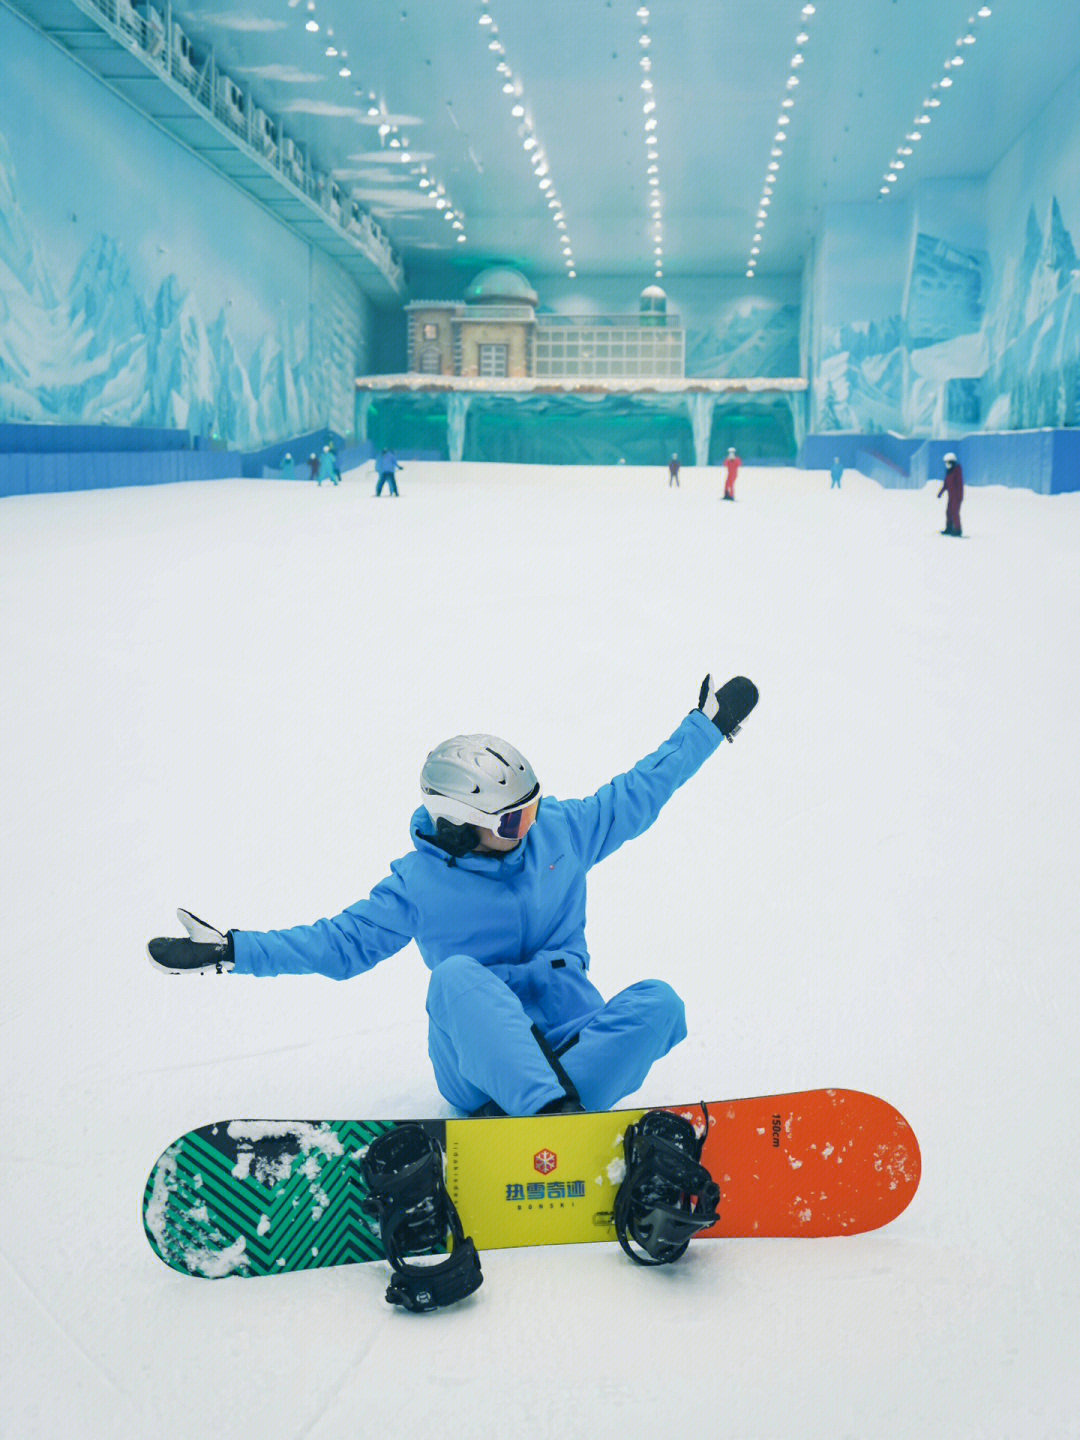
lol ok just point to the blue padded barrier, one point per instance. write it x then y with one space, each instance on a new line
97 470
1046 461
23 439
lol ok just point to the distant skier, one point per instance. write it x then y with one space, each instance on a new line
953 486
385 467
288 469
328 466
673 472
493 893
313 467
837 473
731 465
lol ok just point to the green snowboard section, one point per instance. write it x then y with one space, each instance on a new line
252 1197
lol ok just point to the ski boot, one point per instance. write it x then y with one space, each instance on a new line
403 1171
667 1195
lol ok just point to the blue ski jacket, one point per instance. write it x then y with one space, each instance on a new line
502 910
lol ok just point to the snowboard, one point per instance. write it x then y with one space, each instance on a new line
262 1197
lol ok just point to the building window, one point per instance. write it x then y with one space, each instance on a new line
493 359
431 331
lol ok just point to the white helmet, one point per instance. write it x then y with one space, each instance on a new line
950 458
731 451
480 780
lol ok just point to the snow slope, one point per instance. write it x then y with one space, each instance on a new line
220 695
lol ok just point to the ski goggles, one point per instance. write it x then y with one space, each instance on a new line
512 824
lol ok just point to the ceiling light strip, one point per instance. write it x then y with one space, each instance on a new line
783 122
652 143
391 137
513 89
932 101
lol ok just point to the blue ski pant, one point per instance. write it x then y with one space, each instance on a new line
485 1020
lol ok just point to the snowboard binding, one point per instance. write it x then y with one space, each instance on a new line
667 1195
403 1171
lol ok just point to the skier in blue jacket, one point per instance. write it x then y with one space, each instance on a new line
493 893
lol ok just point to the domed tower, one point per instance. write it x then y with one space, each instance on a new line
501 285
495 332
653 306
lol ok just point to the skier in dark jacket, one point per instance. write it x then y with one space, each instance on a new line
385 467
953 486
673 471
493 893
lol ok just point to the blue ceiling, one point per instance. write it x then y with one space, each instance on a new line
719 71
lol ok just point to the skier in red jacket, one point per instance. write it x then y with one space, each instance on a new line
731 465
953 486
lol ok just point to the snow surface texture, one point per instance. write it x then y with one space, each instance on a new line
220 696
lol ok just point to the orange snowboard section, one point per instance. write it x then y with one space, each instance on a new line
818 1162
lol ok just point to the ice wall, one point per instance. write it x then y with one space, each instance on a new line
120 303
959 307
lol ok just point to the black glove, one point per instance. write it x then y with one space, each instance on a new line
206 949
730 705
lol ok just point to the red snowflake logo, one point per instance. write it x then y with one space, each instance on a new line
545 1161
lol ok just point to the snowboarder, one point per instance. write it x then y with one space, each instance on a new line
953 487
673 472
328 467
731 465
837 473
385 466
493 893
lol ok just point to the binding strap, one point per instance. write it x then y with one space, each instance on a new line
403 1171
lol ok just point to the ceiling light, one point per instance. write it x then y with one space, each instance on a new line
330 50
945 82
462 239
808 9
344 72
801 38
518 111
485 18
312 25
984 13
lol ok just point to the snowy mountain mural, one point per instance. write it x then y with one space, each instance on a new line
958 358
92 349
1033 336
749 337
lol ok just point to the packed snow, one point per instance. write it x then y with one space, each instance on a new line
219 696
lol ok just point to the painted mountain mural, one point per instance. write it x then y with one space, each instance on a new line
93 349
965 353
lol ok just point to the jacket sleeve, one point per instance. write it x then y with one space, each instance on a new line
628 805
346 945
